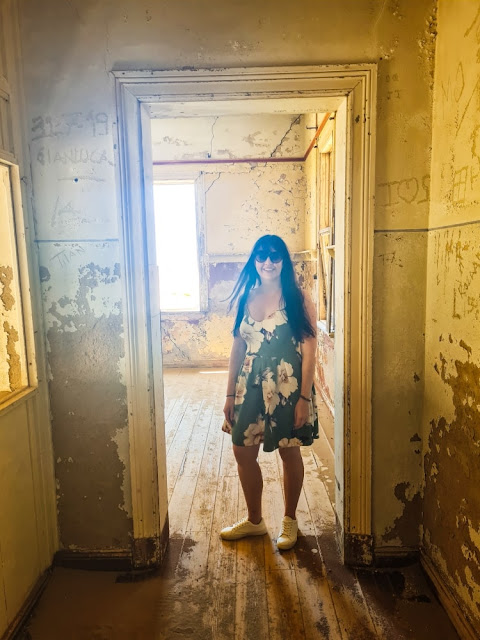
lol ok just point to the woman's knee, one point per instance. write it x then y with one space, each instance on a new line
245 455
290 454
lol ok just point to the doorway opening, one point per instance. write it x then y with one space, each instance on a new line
254 174
349 92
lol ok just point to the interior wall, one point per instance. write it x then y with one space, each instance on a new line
451 444
70 49
242 202
28 527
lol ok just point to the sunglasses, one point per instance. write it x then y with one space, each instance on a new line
275 256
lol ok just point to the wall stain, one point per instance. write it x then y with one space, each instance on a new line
452 473
406 526
44 274
6 278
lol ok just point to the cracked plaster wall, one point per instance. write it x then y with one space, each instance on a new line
451 443
69 49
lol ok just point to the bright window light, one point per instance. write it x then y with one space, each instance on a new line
177 246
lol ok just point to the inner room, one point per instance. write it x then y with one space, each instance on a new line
248 175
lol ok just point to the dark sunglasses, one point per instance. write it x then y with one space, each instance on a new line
275 256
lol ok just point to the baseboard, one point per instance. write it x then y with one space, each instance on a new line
95 559
393 556
27 607
194 364
464 627
145 553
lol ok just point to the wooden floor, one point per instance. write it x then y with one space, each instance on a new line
244 590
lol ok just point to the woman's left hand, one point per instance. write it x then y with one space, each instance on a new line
301 413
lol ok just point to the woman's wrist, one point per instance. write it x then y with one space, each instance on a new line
230 395
306 398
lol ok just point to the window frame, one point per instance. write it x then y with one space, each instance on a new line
326 227
175 176
22 286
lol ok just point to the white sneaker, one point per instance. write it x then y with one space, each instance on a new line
242 529
288 534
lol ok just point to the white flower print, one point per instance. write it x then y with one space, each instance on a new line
270 395
247 364
253 338
240 390
254 433
287 383
292 442
267 374
273 321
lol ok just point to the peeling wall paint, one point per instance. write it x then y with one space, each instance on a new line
398 386
89 414
6 277
325 370
452 360
14 363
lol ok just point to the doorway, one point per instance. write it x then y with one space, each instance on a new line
349 91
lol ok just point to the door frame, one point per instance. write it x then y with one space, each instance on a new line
141 95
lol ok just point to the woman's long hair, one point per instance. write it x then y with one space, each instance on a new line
291 293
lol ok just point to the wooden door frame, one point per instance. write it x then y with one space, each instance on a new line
139 96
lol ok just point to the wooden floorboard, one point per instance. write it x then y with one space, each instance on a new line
244 590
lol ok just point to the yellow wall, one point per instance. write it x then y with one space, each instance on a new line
69 50
28 533
452 358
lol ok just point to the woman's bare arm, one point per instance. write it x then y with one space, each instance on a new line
237 354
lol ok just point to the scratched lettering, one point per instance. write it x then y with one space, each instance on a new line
73 156
65 214
64 257
459 185
409 190
93 123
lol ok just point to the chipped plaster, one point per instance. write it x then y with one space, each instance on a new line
6 296
452 355
13 359
89 415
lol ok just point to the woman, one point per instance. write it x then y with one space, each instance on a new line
270 382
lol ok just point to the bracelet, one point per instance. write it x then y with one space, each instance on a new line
230 395
305 398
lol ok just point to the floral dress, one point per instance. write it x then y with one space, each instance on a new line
268 387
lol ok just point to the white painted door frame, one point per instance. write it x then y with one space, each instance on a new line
144 95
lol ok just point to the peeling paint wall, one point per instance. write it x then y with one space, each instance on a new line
88 403
70 49
451 443
242 202
406 34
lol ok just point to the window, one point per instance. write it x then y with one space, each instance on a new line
13 361
326 236
179 241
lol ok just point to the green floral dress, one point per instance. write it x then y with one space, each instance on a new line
268 387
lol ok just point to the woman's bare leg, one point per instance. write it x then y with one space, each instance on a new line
251 479
292 478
